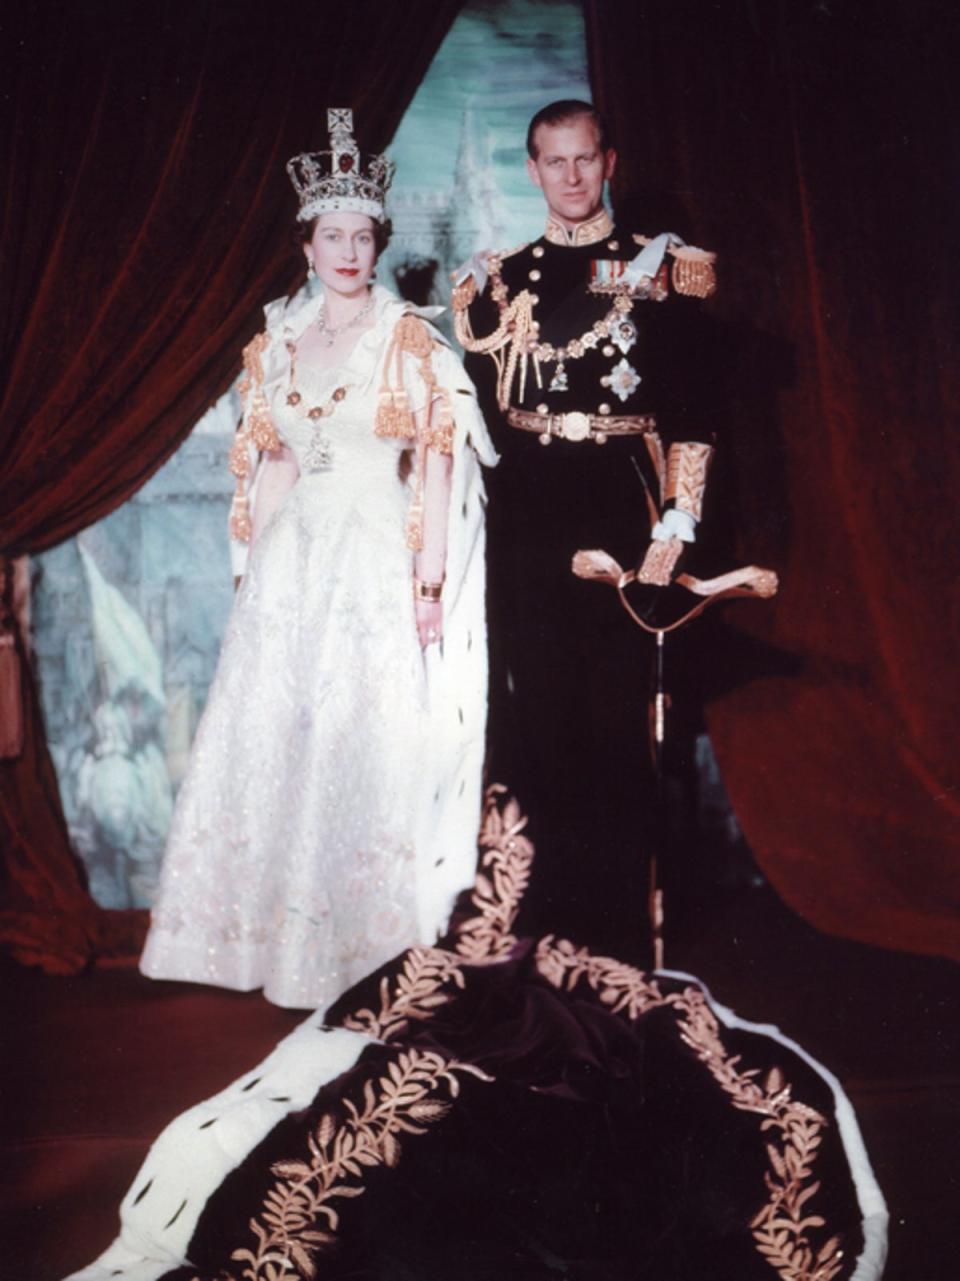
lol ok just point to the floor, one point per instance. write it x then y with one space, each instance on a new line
94 1065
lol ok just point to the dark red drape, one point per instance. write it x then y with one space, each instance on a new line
816 147
144 220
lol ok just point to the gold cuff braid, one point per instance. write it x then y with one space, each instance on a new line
687 464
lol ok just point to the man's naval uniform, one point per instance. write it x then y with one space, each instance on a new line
597 389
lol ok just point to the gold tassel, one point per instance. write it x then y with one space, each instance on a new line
262 431
241 526
259 427
394 417
239 458
439 435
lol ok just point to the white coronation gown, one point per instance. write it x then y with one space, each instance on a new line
329 815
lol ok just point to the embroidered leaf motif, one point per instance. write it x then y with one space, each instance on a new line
301 1257
406 1099
506 859
780 1229
294 1169
325 1131
418 989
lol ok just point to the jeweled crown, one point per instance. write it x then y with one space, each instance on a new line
340 179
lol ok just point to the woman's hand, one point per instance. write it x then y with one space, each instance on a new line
429 615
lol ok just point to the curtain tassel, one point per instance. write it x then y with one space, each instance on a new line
11 694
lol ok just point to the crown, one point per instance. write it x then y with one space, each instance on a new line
341 178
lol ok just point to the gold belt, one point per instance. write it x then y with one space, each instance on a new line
576 426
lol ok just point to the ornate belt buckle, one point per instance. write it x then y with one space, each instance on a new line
575 426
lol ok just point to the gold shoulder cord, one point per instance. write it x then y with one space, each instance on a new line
516 329
518 332
396 419
256 431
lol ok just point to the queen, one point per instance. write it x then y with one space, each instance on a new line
329 814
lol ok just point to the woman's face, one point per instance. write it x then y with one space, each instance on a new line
342 251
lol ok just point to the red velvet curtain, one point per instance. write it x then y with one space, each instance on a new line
144 221
815 145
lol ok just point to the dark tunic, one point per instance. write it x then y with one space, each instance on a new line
569 669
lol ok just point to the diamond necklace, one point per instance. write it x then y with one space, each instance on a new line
330 333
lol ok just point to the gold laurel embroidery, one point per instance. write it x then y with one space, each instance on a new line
418 989
781 1228
426 970
297 1218
623 988
507 857
591 232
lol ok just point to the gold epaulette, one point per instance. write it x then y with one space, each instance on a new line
462 295
694 270
502 254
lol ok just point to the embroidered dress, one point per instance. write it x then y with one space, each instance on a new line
329 815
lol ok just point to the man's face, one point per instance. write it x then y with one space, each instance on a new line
570 169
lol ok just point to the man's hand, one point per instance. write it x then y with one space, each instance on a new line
429 615
660 562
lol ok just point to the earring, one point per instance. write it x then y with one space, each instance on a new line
311 271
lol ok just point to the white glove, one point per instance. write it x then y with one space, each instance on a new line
475 266
675 524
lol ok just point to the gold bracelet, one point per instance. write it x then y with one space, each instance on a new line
427 591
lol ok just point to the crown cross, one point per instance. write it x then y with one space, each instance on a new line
346 157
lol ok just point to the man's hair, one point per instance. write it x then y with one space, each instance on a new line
559 113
